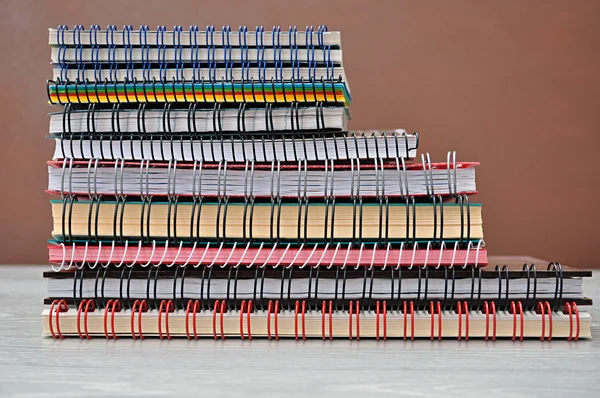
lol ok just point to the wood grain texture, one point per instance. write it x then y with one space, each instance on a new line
513 84
32 366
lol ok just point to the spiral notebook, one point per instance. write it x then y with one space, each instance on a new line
231 148
206 185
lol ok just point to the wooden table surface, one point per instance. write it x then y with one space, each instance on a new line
32 366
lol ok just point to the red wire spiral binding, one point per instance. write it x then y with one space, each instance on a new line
459 313
357 320
493 306
214 319
112 306
50 319
196 309
106 309
576 311
193 306
296 309
522 316
116 307
513 310
330 320
81 305
303 320
221 312
377 321
405 320
323 310
486 310
242 309
136 303
89 306
567 309
432 312
439 311
269 308
61 306
549 312
384 321
274 309
140 306
466 311
350 321
248 319
168 306
412 321
540 308
276 320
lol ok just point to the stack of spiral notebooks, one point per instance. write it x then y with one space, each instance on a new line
207 186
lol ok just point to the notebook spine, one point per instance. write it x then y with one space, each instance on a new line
220 309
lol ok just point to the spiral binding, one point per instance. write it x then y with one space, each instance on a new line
382 318
192 36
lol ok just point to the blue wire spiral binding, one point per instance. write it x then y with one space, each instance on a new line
244 57
94 29
212 67
79 64
178 48
194 54
260 53
277 56
294 52
143 35
162 52
326 50
128 49
112 51
62 48
227 52
310 54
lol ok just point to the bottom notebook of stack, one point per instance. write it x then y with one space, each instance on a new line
515 300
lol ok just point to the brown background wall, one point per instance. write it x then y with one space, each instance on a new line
513 84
